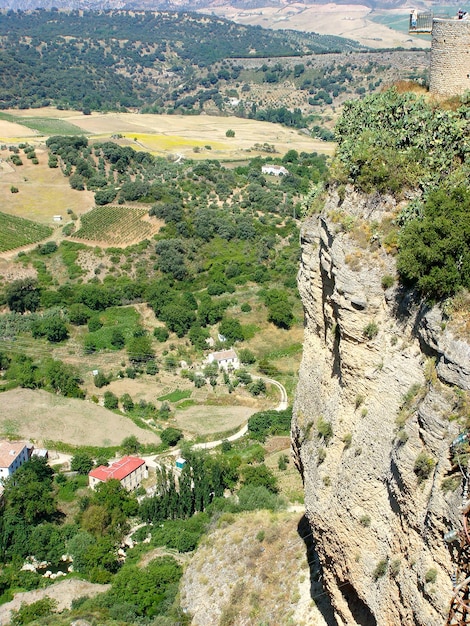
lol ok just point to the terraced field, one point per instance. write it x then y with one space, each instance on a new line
18 231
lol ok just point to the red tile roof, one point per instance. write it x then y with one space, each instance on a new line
9 450
119 469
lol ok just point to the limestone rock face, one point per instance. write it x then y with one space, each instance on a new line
377 386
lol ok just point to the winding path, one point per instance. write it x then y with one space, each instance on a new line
208 445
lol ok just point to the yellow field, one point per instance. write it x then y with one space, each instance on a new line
174 135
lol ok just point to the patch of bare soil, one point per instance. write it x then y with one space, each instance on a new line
64 592
12 130
210 419
39 416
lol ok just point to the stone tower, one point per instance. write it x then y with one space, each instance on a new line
450 57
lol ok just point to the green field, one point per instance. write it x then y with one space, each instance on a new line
44 125
125 319
116 225
176 395
18 231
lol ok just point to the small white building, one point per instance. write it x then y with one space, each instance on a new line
12 456
225 359
275 170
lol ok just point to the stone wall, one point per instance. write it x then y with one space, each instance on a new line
450 57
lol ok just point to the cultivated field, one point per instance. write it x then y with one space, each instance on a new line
117 226
176 135
18 231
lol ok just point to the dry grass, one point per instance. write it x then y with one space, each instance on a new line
209 419
40 416
259 563
181 134
460 315
407 86
43 192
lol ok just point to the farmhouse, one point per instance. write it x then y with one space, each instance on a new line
130 471
275 170
12 456
225 359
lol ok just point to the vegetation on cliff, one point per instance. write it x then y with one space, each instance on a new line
404 145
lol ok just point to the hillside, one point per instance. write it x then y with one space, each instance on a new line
149 62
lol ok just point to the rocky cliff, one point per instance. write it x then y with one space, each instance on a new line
382 393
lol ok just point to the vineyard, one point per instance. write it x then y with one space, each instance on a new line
18 231
117 225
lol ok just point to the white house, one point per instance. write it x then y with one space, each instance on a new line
225 359
130 471
12 456
275 170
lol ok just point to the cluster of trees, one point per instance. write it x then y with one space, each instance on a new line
45 373
265 423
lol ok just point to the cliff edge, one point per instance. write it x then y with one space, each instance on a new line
382 394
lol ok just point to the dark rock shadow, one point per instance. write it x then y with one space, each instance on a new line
317 591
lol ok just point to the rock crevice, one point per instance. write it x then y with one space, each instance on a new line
381 368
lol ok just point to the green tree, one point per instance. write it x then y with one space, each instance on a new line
62 378
246 356
434 252
231 329
260 476
117 339
161 334
23 295
131 445
127 403
81 462
280 314
140 349
178 318
53 328
170 436
110 400
79 313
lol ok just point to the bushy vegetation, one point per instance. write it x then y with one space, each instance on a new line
392 143
435 250
265 423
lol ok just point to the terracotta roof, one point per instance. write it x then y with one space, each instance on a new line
119 469
9 450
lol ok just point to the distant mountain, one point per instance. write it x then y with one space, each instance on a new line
175 5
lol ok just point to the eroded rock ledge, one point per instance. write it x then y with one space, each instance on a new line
377 387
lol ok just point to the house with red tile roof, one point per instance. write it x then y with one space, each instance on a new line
130 471
12 456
